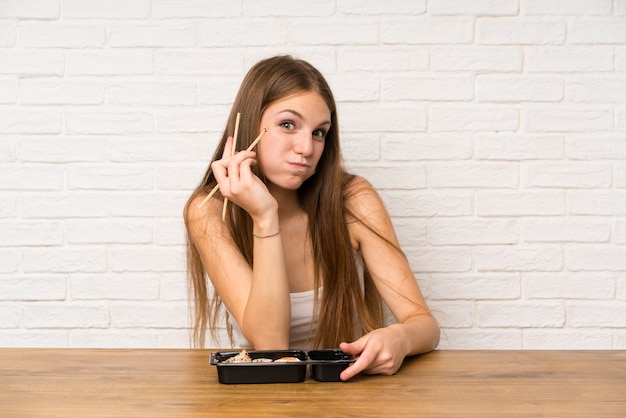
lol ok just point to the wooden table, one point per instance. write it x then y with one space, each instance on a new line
182 383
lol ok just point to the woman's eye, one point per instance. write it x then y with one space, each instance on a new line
320 133
287 125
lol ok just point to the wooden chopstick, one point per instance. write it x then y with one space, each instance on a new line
232 152
217 186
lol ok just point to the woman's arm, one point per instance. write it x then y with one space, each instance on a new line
258 296
416 330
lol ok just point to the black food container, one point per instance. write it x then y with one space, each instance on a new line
270 372
326 366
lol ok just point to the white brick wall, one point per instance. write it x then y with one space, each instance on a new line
495 131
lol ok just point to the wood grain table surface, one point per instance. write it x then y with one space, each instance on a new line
182 383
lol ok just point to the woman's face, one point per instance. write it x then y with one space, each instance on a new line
289 152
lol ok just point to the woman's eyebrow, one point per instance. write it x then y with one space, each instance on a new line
299 115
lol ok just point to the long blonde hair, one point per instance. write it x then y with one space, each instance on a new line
323 197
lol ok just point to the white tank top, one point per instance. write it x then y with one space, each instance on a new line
302 327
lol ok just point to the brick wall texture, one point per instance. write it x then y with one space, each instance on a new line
495 131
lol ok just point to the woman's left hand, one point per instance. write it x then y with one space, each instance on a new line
381 351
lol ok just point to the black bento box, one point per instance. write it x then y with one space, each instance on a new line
326 366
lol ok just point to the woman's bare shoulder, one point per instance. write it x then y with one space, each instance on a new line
362 198
200 215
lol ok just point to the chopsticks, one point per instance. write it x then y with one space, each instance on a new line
217 186
232 152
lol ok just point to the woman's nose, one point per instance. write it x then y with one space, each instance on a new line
303 143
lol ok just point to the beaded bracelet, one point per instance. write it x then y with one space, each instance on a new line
266 236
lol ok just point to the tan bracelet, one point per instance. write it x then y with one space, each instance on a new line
266 236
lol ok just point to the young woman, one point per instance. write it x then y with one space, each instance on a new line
306 256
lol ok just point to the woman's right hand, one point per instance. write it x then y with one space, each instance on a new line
240 185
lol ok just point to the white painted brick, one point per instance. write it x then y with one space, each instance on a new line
35 339
10 260
476 287
619 175
452 315
420 88
29 121
377 59
33 288
473 231
364 89
620 124
29 9
481 339
596 258
175 338
513 89
568 286
109 62
567 59
64 205
110 231
395 177
620 59
153 315
24 233
8 150
422 31
473 175
32 62
621 288
476 58
520 314
148 204
393 118
134 338
358 7
569 119
359 147
150 93
174 287
197 62
476 7
606 315
147 259
472 119
8 34
411 232
515 146
619 8
567 175
53 92
61 35
565 229
124 177
8 206
596 90
114 287
448 260
118 9
567 7
544 339
513 259
416 147
180 178
619 340
515 31
136 148
55 149
10 316
609 203
194 8
66 315
327 32
602 147
185 121
596 31
31 177
152 35
170 232
428 203
117 122
217 90
8 91
619 231
520 203
236 32
64 260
